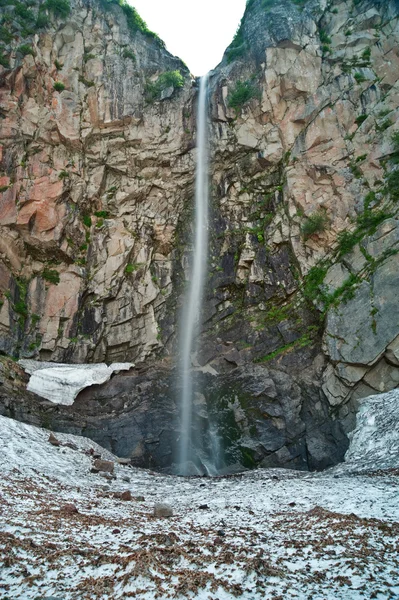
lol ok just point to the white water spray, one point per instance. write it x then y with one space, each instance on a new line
193 300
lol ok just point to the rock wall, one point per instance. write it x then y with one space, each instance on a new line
94 180
97 190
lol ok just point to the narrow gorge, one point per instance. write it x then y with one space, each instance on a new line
98 147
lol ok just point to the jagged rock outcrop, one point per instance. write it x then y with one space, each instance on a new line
95 220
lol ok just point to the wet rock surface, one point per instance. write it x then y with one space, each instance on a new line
262 416
96 188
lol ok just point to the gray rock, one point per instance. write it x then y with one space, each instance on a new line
163 510
359 331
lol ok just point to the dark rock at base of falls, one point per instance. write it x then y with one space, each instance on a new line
263 416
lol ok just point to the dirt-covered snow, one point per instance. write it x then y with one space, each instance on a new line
65 533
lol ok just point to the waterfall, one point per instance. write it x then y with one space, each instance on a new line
193 300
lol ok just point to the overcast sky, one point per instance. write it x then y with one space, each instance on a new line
196 31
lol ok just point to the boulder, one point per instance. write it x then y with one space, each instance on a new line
105 466
163 510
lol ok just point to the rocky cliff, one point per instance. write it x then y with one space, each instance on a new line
98 153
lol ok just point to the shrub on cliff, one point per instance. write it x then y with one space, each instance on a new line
243 92
133 19
26 50
59 86
51 275
60 8
169 79
315 223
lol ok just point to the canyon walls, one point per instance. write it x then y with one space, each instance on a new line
98 155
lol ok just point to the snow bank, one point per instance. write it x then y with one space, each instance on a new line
374 444
61 383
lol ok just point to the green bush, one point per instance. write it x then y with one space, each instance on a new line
315 223
58 65
136 23
243 92
366 54
103 214
366 224
393 185
87 57
21 308
51 275
5 35
59 8
42 20
130 268
237 47
63 175
360 119
166 80
359 77
26 49
86 82
347 240
4 61
129 54
384 125
59 86
23 12
171 79
86 220
324 38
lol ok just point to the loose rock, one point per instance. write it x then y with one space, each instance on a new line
53 440
163 510
106 466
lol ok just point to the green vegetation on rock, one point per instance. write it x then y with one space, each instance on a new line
243 92
133 19
59 8
168 79
51 275
315 223
58 86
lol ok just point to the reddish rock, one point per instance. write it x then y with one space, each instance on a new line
126 495
53 440
69 509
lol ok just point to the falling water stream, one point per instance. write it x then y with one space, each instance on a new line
189 450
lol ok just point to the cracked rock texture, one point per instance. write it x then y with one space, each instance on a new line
95 211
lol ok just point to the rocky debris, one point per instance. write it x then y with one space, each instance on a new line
126 495
163 510
105 466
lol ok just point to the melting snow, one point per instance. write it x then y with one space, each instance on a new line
262 534
61 383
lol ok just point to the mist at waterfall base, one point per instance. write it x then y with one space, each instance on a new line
199 446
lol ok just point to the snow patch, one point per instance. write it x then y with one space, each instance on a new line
374 444
61 383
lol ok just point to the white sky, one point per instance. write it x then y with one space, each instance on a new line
198 32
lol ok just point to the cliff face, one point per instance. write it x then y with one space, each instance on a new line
301 315
95 177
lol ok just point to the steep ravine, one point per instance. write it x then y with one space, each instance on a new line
301 313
